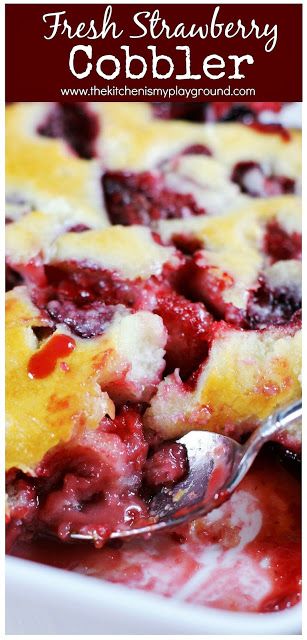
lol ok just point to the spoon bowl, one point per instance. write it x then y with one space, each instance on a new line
216 466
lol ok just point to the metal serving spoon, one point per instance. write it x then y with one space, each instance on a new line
217 464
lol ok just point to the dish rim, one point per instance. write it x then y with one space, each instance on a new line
190 618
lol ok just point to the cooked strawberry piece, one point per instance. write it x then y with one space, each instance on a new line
167 465
141 198
266 106
83 299
187 325
74 124
281 245
22 498
87 322
86 298
84 285
128 426
239 111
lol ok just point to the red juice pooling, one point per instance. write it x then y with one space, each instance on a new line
44 361
262 574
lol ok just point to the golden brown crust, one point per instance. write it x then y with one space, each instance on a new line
133 139
129 251
233 243
46 174
41 412
246 377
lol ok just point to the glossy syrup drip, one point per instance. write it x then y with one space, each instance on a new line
44 361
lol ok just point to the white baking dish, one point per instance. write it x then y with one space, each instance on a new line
44 600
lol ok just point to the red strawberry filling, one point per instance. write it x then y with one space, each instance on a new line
167 465
142 198
200 282
281 245
74 124
245 112
187 325
83 285
92 484
86 299
266 306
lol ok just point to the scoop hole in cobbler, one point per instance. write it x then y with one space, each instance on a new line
94 483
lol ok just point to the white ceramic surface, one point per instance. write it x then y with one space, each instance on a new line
43 600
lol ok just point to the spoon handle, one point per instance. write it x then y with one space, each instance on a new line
289 416
282 419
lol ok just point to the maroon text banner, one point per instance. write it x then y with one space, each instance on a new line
153 52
